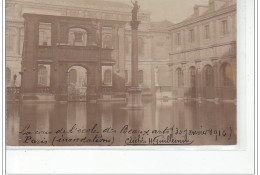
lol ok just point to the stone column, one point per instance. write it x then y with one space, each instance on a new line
135 96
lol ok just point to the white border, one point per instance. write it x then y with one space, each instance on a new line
239 160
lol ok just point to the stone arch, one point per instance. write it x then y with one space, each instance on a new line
77 75
227 75
208 76
179 77
107 42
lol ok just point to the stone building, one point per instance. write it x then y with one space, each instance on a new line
203 52
44 46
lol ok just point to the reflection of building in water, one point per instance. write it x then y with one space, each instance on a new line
94 35
203 52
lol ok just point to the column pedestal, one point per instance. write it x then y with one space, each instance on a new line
135 98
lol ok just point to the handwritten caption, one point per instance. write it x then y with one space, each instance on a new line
169 135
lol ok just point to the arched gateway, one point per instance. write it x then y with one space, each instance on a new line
77 83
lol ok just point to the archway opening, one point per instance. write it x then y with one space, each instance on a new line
77 83
227 75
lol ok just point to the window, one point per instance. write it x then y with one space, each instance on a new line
178 39
192 77
42 76
107 77
107 42
77 37
209 76
180 81
140 47
227 75
10 37
8 76
141 76
45 34
224 27
207 34
192 37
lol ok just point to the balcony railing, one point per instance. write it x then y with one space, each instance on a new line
43 89
13 90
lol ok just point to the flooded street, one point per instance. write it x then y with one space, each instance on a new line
53 123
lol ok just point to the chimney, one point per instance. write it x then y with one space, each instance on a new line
196 10
211 5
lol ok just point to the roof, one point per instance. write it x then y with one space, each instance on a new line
162 25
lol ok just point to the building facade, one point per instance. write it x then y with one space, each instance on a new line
42 40
203 52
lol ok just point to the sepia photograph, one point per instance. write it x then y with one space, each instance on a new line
121 72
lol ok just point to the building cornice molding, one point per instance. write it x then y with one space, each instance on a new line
202 48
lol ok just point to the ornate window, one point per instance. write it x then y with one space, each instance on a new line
107 77
45 34
140 47
141 76
209 76
7 76
192 77
227 75
180 80
42 75
77 37
107 42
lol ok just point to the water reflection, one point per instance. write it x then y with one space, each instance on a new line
113 116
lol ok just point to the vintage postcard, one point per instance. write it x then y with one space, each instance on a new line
121 72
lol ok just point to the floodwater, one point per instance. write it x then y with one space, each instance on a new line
107 123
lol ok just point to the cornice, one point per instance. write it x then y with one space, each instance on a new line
202 48
226 10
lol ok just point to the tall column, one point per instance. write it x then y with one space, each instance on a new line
135 96
29 63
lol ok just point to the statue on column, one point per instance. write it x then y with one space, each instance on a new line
135 10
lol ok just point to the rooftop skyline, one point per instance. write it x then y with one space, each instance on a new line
167 9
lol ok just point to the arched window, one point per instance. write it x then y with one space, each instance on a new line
140 47
180 81
107 42
141 76
42 76
72 76
192 77
107 77
208 76
227 75
8 76
127 46
77 37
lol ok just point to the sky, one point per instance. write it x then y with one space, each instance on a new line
172 10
